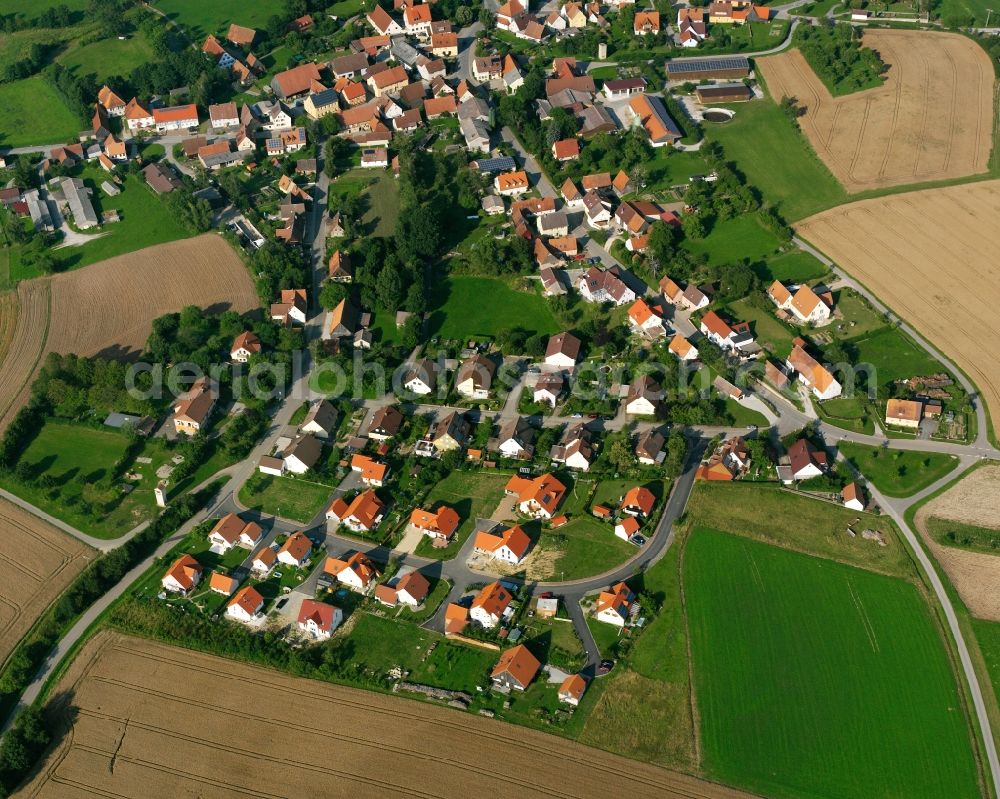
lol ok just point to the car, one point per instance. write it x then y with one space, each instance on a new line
593 416
576 416
605 666
638 540
281 603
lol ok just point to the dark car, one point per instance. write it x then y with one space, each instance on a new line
605 666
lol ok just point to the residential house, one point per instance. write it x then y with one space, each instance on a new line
615 606
292 307
223 115
853 497
231 531
223 584
624 88
375 158
638 501
319 104
605 285
725 336
295 81
192 409
626 527
383 23
729 461
357 572
373 472
553 225
512 183
388 82
386 423
597 210
344 320
490 605
113 104
475 377
904 413
515 670
246 606
536 497
804 304
683 349
548 388
644 397
445 45
264 561
450 432
439 524
647 320
576 448
302 454
422 377
318 619
321 420
571 689
805 460
219 154
178 117
646 22
566 150
813 375
295 551
508 544
649 448
693 298
136 117
515 438
363 514
650 112
563 351
183 575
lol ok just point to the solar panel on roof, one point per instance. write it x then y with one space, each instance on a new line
708 64
496 164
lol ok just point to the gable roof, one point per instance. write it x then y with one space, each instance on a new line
514 538
320 613
185 570
493 599
249 599
518 663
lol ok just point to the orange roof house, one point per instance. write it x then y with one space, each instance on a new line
639 500
455 618
646 22
223 583
441 523
566 149
183 575
372 471
539 496
572 688
489 604
241 36
516 669
510 545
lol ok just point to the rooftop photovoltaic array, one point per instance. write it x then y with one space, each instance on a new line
707 65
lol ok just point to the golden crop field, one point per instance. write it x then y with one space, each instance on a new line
37 562
153 720
930 256
931 120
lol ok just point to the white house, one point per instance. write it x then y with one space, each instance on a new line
491 605
231 531
422 377
804 304
321 420
615 606
182 576
852 497
264 561
302 454
245 606
508 545
318 619
357 572
563 350
295 551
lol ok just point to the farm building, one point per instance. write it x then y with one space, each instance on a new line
711 68
729 93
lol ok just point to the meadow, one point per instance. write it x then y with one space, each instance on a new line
788 162
479 307
34 113
898 473
805 679
290 498
794 266
471 494
201 18
733 240
109 56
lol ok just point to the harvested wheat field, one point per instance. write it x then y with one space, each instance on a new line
154 720
27 343
930 256
931 120
974 500
107 308
37 562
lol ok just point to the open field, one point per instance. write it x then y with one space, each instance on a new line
34 113
805 679
37 562
8 321
897 472
458 310
290 498
930 257
472 494
202 18
141 725
108 57
121 297
971 509
931 120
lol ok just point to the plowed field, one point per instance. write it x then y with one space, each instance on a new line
152 720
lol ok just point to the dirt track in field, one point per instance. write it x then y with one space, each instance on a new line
107 308
930 256
974 500
153 720
37 562
931 120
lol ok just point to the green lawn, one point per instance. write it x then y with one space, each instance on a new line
201 18
794 266
34 113
760 127
898 473
472 494
765 512
456 667
79 460
894 355
805 680
735 239
460 310
290 498
859 318
743 416
348 8
108 57
964 536
966 12
380 644
554 641
145 221
770 333
849 413
383 204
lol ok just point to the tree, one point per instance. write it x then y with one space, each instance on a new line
620 454
463 16
693 226
389 288
331 294
673 464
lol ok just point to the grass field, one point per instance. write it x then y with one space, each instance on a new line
456 667
79 459
761 127
735 239
898 473
769 332
108 57
850 413
771 515
794 266
743 416
290 498
472 494
894 355
459 310
805 679
34 113
966 12
383 204
201 18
